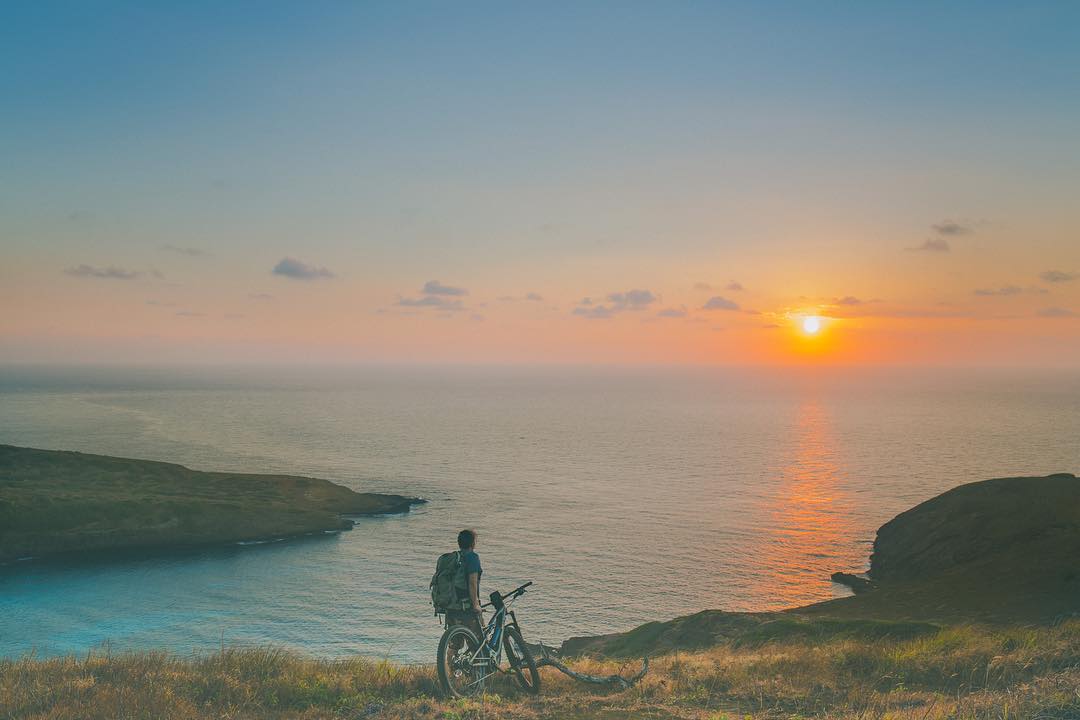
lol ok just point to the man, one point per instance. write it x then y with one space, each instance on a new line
468 616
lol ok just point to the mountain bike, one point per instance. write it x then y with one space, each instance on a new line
466 662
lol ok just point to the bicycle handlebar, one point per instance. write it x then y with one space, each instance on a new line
517 591
513 593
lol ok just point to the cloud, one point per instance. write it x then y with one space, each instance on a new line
631 299
1003 291
107 273
951 228
260 296
1056 312
434 287
160 303
189 313
535 297
850 300
1008 290
720 303
431 301
704 286
436 295
938 245
627 301
189 251
1057 276
671 313
292 268
735 286
594 312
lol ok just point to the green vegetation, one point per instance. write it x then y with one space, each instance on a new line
971 617
961 673
64 503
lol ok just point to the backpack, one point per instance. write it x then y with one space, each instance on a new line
449 587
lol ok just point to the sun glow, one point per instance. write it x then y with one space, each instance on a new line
811 324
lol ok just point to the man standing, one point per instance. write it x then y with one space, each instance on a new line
469 615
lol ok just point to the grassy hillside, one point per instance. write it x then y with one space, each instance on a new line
54 503
973 616
962 673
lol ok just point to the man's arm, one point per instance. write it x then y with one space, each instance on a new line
474 591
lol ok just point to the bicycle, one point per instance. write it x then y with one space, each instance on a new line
466 662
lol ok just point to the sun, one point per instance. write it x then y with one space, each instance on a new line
811 324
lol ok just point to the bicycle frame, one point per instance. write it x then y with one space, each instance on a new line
492 641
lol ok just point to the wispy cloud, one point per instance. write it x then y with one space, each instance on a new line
434 287
594 312
531 297
431 301
260 296
181 250
1002 291
1057 276
160 303
435 295
720 303
105 273
189 313
631 299
1057 312
672 313
298 270
733 286
935 245
617 302
951 228
849 300
1008 290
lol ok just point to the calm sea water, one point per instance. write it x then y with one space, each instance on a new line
627 496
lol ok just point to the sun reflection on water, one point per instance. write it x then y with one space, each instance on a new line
811 529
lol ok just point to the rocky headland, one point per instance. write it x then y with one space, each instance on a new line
56 503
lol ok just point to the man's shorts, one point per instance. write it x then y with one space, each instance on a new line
468 618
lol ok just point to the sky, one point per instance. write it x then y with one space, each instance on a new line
571 183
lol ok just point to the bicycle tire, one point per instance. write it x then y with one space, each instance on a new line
450 675
521 660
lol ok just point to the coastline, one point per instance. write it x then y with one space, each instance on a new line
61 505
999 553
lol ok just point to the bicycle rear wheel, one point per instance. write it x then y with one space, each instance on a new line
521 660
459 674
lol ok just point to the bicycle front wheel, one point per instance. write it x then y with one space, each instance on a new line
462 670
521 660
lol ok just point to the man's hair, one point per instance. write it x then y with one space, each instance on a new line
466 539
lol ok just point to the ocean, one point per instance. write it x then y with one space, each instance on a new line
625 495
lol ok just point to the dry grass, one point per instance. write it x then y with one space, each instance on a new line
964 673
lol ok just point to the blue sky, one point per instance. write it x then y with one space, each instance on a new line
567 150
